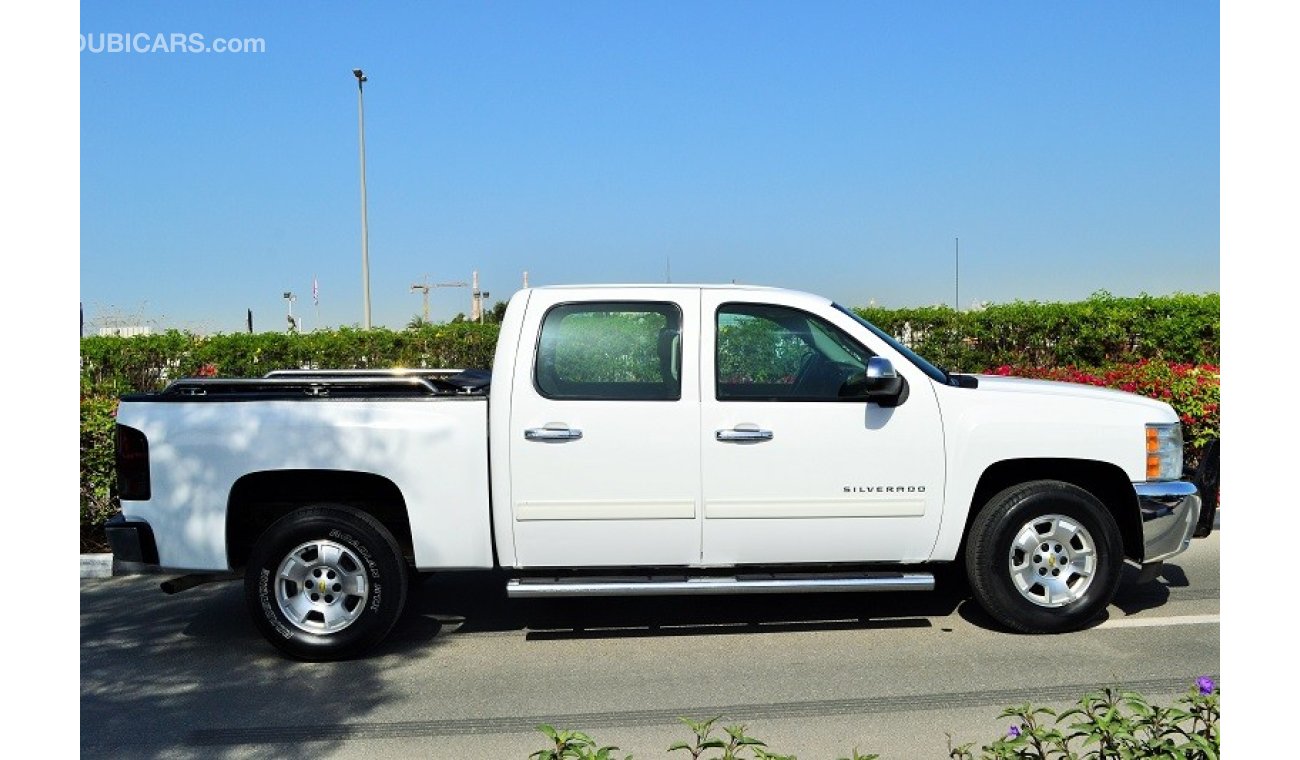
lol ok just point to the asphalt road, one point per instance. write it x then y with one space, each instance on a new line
468 673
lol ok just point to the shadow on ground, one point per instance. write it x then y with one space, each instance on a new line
159 673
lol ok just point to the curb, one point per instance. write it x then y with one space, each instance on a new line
96 565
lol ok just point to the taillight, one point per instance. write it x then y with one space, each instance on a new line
132 464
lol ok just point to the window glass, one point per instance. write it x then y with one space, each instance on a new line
934 373
607 350
780 354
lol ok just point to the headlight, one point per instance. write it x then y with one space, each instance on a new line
1164 452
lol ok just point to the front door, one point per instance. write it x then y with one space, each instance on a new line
793 473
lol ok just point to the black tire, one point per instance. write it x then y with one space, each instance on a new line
1054 587
347 583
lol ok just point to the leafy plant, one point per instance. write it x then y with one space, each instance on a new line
1110 724
1103 725
571 745
98 476
732 748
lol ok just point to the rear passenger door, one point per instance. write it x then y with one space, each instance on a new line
604 430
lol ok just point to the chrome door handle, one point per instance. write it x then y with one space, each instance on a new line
744 435
552 434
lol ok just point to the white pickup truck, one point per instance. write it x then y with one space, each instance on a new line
658 439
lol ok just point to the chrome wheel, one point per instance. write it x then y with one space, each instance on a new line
321 587
1053 560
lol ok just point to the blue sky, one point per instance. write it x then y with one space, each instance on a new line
831 147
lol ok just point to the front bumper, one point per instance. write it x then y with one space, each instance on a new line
131 541
1169 512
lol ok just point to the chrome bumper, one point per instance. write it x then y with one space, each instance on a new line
1169 512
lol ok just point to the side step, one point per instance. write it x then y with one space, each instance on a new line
532 588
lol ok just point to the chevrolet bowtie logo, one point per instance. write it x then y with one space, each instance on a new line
1051 561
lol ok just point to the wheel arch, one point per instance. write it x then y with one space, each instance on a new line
1107 482
260 498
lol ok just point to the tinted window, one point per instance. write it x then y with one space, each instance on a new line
771 353
623 351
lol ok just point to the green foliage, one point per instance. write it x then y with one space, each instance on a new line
113 366
98 477
733 747
1097 332
1110 724
572 745
1101 331
1105 725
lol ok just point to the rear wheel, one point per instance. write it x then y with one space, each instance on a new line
1044 557
325 583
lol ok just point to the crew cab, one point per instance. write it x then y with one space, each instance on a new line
656 439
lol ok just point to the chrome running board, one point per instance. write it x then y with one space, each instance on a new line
524 588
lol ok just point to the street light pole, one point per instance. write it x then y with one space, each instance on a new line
365 231
289 297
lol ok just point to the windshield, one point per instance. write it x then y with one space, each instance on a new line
929 369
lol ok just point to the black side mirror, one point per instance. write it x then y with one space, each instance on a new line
878 384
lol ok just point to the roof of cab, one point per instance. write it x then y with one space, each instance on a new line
678 286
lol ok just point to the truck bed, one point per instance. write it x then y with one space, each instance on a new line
426 435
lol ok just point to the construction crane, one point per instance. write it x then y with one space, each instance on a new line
426 286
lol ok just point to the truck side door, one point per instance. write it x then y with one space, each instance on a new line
794 473
604 429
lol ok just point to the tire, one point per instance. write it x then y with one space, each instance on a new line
1044 557
325 582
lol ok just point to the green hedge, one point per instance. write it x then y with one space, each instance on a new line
1101 331
1098 332
112 366
98 492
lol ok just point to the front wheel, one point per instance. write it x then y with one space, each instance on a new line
1044 557
325 583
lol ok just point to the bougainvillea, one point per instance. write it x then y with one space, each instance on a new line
1191 389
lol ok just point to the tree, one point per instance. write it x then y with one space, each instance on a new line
492 316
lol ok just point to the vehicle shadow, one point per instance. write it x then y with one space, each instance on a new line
449 603
477 603
1134 597
189 676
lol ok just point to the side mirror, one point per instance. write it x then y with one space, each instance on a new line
879 384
